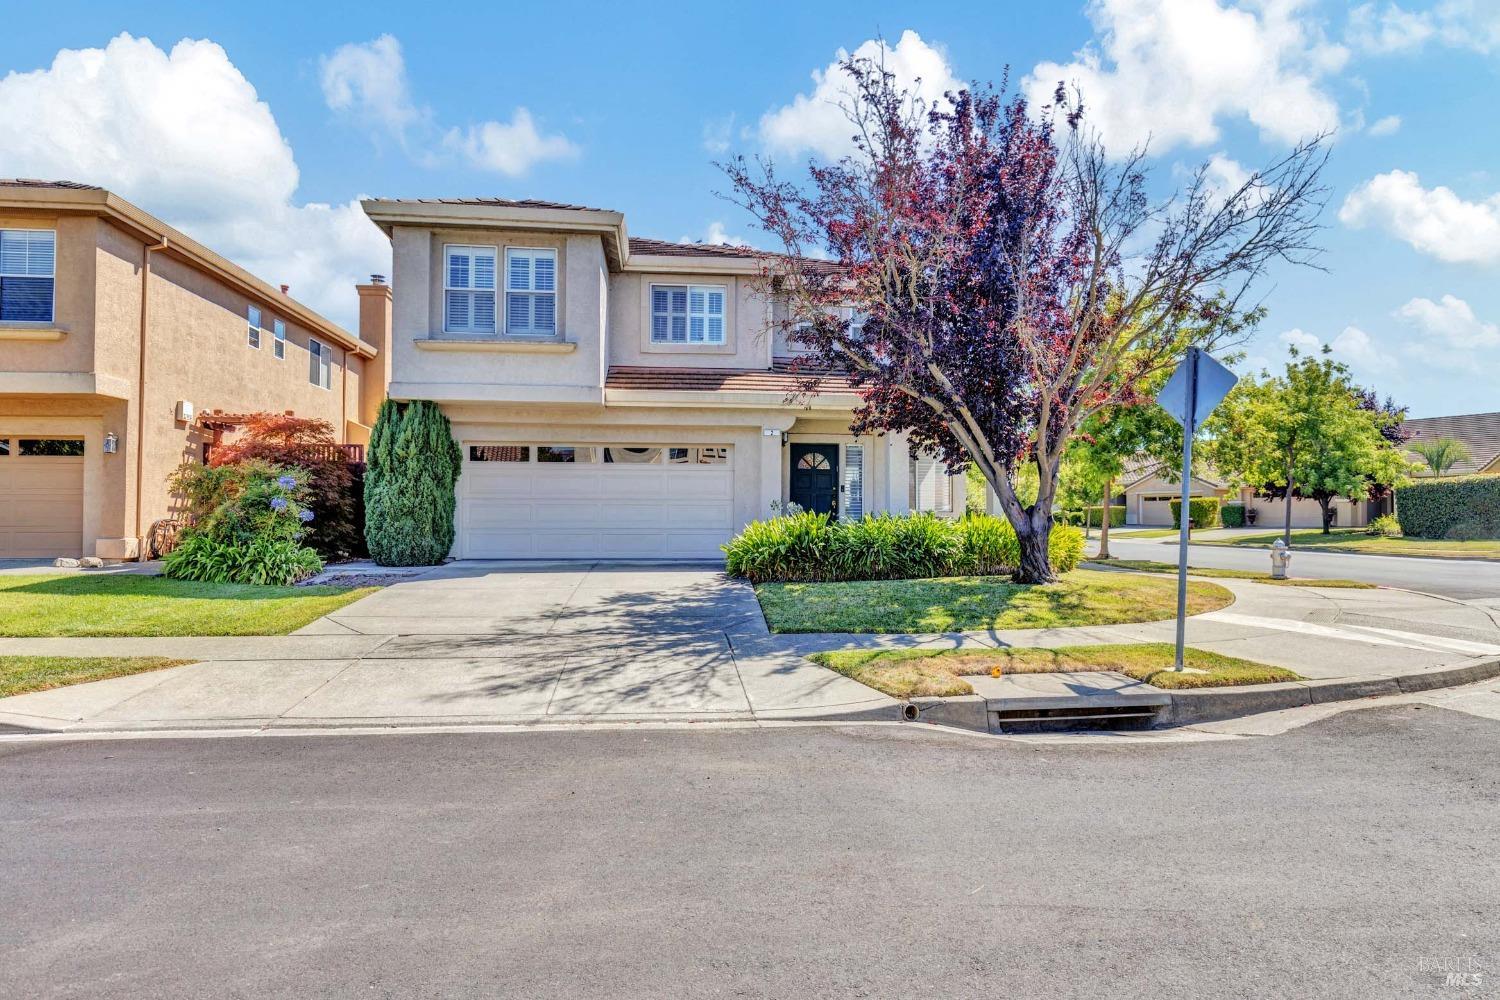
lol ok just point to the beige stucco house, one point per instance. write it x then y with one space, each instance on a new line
614 396
1148 491
118 334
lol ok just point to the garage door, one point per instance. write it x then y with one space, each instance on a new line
524 501
41 497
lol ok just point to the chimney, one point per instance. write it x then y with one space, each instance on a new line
375 330
285 289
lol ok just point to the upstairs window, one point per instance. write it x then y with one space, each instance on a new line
278 342
531 292
469 289
27 259
687 314
252 318
319 364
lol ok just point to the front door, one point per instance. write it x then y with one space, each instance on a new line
815 477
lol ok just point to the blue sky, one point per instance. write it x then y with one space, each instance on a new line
258 132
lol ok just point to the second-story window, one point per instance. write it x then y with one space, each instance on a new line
469 289
278 334
530 292
687 314
252 323
27 258
319 364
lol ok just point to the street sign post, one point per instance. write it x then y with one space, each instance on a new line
1197 386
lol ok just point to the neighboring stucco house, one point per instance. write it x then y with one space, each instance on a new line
1479 432
1148 492
618 397
117 334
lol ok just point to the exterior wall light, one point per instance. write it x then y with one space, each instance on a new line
111 443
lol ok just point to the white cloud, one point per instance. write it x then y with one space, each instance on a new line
1389 125
717 234
1450 322
368 82
1436 222
511 148
815 121
1352 346
718 134
1385 29
184 135
1169 71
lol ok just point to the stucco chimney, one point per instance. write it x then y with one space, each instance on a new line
375 330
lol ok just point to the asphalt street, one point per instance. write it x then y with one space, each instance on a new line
1356 857
1466 580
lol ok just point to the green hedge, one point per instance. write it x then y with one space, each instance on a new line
811 547
1232 515
413 466
1203 512
1116 516
1461 508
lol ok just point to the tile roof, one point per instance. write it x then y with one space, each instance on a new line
1141 467
498 202
780 378
28 182
1480 432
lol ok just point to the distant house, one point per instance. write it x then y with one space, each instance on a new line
1479 432
1148 489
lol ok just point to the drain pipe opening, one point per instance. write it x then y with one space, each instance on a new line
909 712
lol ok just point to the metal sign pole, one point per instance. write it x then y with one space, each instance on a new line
1189 428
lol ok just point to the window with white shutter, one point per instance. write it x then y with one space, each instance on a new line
469 289
319 364
27 261
530 292
252 327
688 314
854 482
931 486
278 341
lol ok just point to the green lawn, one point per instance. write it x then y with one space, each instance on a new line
1150 566
21 674
965 603
126 604
1134 533
911 673
1355 540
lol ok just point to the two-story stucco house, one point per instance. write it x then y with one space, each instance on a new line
117 335
617 397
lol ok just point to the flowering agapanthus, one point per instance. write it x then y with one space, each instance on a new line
304 516
278 503
287 482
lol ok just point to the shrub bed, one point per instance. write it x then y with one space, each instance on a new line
1203 512
812 548
1232 515
247 525
1462 508
1116 516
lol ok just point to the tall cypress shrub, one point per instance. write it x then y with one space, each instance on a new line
412 466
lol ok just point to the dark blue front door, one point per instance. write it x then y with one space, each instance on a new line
815 477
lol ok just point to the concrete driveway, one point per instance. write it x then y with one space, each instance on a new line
475 642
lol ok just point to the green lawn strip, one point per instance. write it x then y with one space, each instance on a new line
911 673
966 603
131 605
22 674
1132 534
1150 566
1355 540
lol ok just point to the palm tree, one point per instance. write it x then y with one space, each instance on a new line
1441 454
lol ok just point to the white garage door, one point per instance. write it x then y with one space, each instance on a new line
41 497
523 501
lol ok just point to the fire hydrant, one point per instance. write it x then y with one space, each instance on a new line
1281 557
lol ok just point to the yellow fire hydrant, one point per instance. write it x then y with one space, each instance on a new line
1281 558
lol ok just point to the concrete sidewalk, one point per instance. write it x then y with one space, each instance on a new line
547 643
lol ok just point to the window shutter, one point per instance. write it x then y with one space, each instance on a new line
854 481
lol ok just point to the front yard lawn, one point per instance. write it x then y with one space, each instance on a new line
1355 540
126 604
22 674
968 603
912 673
1151 566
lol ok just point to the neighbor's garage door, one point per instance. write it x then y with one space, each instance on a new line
521 501
41 497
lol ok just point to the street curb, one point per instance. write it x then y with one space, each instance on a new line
969 711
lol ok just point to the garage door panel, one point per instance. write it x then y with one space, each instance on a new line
606 510
41 506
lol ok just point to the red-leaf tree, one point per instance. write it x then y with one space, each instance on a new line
1012 279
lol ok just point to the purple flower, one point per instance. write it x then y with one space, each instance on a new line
287 482
304 516
278 503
